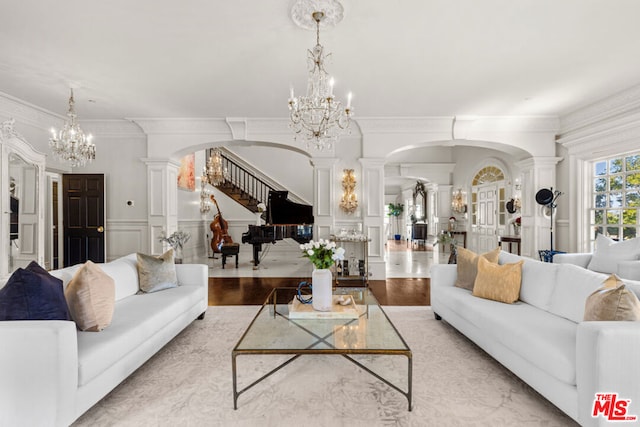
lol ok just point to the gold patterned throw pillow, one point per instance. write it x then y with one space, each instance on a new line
498 282
157 273
468 266
91 297
613 301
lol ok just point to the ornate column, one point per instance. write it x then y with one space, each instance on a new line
324 200
162 194
537 173
372 205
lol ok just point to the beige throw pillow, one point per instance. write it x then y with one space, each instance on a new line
468 266
613 301
157 273
498 282
91 297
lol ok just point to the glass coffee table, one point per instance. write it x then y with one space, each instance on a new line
369 332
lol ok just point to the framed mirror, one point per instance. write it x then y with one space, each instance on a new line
21 202
420 202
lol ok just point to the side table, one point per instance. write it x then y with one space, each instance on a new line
510 240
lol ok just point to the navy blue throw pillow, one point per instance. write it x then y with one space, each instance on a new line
33 294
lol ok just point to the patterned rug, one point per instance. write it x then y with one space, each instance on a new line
189 383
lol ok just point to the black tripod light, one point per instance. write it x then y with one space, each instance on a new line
547 197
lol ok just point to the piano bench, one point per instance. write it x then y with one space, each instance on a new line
230 249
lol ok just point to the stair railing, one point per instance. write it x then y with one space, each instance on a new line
244 180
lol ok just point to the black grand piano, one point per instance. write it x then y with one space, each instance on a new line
285 219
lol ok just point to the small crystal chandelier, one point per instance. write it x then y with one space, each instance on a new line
215 173
318 116
71 144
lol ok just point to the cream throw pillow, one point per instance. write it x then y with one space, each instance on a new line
468 266
91 296
498 282
157 273
613 301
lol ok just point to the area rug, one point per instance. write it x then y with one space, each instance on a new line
189 383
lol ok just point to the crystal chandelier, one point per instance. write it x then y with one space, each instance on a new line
71 144
318 116
215 173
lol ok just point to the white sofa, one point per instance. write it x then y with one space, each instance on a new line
542 337
52 373
610 256
626 269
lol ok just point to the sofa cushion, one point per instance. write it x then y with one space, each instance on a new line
498 282
608 253
137 321
124 272
573 286
613 301
156 273
468 266
33 294
538 279
91 298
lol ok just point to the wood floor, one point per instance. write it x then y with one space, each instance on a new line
254 291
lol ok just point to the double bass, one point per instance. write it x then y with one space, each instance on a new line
220 228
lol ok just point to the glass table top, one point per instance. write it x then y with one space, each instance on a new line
272 331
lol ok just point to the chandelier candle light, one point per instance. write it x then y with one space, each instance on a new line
71 144
318 116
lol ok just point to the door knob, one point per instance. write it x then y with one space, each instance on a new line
100 229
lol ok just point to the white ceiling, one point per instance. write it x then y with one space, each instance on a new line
197 58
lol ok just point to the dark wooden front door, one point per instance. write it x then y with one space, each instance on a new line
83 218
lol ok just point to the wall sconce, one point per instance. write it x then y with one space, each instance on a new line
459 201
349 202
206 190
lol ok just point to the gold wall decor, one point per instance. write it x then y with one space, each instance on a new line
349 202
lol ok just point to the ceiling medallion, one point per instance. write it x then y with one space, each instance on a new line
302 13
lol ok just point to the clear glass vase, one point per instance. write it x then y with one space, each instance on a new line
177 255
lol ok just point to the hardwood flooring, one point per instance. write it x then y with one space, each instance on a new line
254 291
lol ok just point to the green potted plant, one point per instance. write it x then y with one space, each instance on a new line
395 210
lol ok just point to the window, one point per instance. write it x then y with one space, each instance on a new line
616 197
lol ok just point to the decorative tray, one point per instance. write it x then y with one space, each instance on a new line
298 310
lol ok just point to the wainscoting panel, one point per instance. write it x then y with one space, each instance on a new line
124 237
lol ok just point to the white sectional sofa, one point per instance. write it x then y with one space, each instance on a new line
626 269
610 256
51 373
543 339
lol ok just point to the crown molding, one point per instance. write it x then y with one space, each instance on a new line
459 127
113 128
27 113
605 109
182 126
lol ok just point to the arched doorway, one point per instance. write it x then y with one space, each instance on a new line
487 207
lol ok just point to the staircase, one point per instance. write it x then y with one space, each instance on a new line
243 183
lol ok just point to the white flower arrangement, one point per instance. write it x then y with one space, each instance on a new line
323 253
261 207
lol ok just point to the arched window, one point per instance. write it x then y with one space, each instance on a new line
488 174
